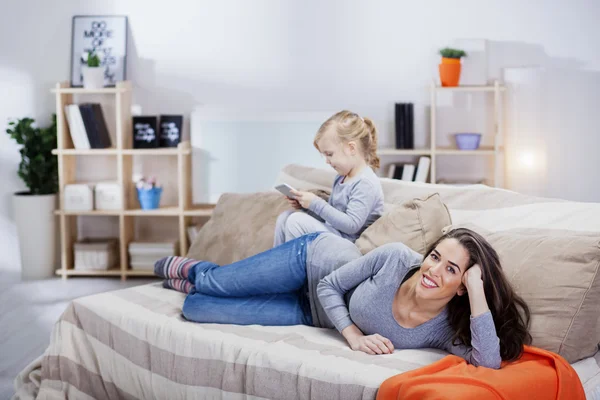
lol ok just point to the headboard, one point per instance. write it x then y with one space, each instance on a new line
243 151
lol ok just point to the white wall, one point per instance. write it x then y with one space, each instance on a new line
300 56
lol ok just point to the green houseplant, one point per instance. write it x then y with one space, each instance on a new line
92 71
93 60
39 167
450 66
34 208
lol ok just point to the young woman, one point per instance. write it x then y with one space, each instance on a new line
456 298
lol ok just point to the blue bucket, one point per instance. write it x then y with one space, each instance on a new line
468 141
149 198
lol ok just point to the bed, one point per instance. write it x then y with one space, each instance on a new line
134 343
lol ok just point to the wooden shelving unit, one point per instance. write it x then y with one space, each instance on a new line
123 153
433 151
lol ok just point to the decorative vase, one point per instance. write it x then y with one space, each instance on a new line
149 198
93 77
450 71
36 229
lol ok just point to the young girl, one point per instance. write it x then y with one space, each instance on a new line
349 144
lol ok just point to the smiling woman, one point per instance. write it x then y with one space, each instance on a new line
390 298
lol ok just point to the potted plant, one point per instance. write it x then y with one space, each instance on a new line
93 71
450 66
34 208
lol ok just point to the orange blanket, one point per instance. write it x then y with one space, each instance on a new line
538 374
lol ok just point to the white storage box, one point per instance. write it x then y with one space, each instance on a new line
96 254
108 196
78 197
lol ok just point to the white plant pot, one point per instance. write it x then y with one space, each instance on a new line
36 228
93 77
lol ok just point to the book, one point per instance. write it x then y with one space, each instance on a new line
408 172
409 136
399 124
76 127
97 134
422 169
399 171
391 170
100 124
404 125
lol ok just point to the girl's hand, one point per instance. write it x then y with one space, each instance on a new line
473 277
372 344
293 203
304 198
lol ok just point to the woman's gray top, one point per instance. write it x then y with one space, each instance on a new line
347 288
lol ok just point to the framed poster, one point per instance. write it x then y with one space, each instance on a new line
170 130
107 36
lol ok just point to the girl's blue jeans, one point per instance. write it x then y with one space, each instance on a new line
269 288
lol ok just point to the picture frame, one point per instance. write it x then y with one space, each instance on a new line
170 130
145 132
105 34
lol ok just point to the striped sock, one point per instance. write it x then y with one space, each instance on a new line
173 267
181 285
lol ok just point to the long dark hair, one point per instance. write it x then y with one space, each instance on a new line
510 312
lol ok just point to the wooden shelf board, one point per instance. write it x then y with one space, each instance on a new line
113 151
91 212
172 151
162 211
470 88
449 151
80 90
98 272
110 272
86 152
196 211
415 152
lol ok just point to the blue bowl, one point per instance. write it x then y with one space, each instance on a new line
149 198
468 141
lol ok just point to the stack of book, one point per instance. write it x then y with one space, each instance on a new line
404 124
143 255
87 126
408 172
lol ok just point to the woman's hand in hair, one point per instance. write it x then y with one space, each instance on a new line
473 281
473 277
304 198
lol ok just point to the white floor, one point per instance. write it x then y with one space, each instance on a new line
28 311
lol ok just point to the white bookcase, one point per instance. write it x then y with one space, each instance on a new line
433 151
122 154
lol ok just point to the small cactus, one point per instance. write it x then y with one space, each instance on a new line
93 60
448 52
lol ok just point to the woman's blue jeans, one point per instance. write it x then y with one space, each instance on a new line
269 288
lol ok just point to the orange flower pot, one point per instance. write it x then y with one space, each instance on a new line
450 71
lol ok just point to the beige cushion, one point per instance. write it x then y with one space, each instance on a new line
417 223
557 274
241 226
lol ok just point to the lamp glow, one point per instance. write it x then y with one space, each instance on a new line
527 160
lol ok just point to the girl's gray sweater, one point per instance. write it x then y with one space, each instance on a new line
354 204
346 288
